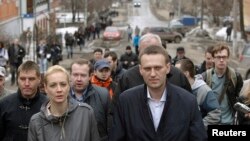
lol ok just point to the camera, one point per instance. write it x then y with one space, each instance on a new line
241 107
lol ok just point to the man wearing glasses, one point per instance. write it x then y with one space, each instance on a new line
224 81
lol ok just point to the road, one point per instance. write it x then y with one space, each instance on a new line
134 16
143 17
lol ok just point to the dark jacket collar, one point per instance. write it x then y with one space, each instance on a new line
28 102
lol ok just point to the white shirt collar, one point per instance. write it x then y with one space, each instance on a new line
163 97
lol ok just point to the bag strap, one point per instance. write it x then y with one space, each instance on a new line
223 92
208 77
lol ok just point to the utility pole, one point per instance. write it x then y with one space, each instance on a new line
21 14
234 27
48 18
202 13
179 8
35 31
86 13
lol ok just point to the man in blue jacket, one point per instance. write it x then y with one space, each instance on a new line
157 110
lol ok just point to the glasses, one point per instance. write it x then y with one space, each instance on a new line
221 57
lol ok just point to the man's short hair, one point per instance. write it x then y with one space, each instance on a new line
219 47
112 54
128 47
98 50
180 49
152 50
149 36
209 49
81 61
187 65
27 66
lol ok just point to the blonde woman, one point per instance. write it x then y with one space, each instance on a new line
61 118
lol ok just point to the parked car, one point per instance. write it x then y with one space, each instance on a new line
111 33
137 3
165 33
113 13
177 26
244 62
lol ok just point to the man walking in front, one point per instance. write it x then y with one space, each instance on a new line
157 110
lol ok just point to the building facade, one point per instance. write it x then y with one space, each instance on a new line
17 16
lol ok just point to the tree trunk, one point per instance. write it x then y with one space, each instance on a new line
242 27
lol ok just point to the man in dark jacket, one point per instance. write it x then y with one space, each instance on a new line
132 77
16 109
97 97
207 63
157 110
180 54
225 82
16 54
129 58
116 67
229 31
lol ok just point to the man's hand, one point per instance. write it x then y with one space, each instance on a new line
247 115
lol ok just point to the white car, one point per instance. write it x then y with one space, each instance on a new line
115 4
137 4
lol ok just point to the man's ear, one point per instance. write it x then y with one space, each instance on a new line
91 74
168 65
140 69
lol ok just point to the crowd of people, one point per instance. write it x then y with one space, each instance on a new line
143 95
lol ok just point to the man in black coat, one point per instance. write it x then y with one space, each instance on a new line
16 109
132 77
157 110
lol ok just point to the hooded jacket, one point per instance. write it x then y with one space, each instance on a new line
77 124
208 103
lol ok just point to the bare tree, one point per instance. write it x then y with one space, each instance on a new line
219 8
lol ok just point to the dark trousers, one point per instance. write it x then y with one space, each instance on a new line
136 50
13 71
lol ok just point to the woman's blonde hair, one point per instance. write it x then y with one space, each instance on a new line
53 69
245 92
